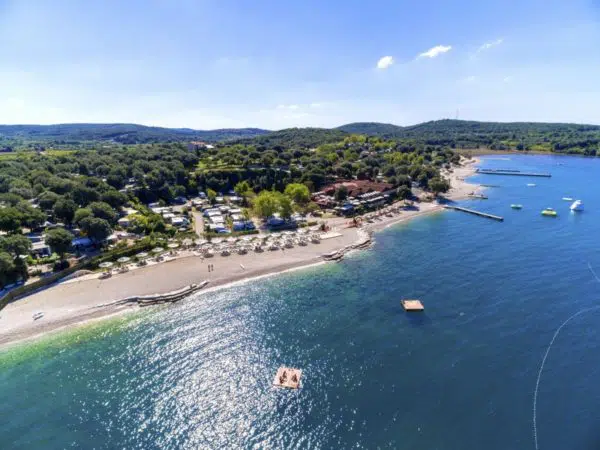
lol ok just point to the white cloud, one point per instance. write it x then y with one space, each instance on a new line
385 62
316 105
290 107
489 45
471 79
435 51
507 79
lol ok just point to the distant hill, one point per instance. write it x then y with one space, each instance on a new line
121 133
297 137
371 128
557 137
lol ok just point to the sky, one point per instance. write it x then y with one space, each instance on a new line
275 64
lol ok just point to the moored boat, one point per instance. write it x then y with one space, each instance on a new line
577 206
549 212
516 206
531 184
567 199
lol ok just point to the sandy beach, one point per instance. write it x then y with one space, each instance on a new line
77 301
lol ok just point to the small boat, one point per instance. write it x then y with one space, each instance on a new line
38 315
516 206
567 199
577 206
531 184
549 212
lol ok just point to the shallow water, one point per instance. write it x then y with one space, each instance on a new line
460 376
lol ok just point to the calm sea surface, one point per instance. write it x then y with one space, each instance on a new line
461 376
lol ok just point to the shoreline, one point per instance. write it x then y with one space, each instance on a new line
76 303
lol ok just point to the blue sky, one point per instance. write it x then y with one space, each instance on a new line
276 64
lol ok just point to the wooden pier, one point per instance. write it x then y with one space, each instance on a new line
476 213
516 173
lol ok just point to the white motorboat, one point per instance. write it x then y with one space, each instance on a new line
530 184
577 205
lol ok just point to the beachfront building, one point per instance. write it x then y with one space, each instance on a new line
360 194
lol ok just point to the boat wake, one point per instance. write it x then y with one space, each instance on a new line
556 333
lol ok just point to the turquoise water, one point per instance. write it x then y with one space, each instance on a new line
460 376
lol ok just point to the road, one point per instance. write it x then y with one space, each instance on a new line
198 223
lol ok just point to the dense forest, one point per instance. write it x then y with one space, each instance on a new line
456 134
66 134
523 136
273 165
69 193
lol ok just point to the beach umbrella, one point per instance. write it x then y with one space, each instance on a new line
142 255
105 265
157 249
123 259
173 245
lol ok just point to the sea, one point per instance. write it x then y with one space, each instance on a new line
506 355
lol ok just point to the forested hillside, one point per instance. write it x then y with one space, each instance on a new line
296 137
120 133
557 137
526 136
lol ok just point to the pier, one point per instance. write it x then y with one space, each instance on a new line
474 212
517 173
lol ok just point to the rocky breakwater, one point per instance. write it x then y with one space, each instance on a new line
364 241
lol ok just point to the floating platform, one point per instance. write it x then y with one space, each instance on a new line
288 377
474 212
413 305
512 172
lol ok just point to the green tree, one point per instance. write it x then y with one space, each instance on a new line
404 192
298 192
212 195
242 188
81 214
96 229
285 206
104 211
438 185
47 199
114 198
10 219
64 210
341 193
30 217
59 240
7 269
266 204
15 244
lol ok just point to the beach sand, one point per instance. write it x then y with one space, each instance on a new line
78 301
